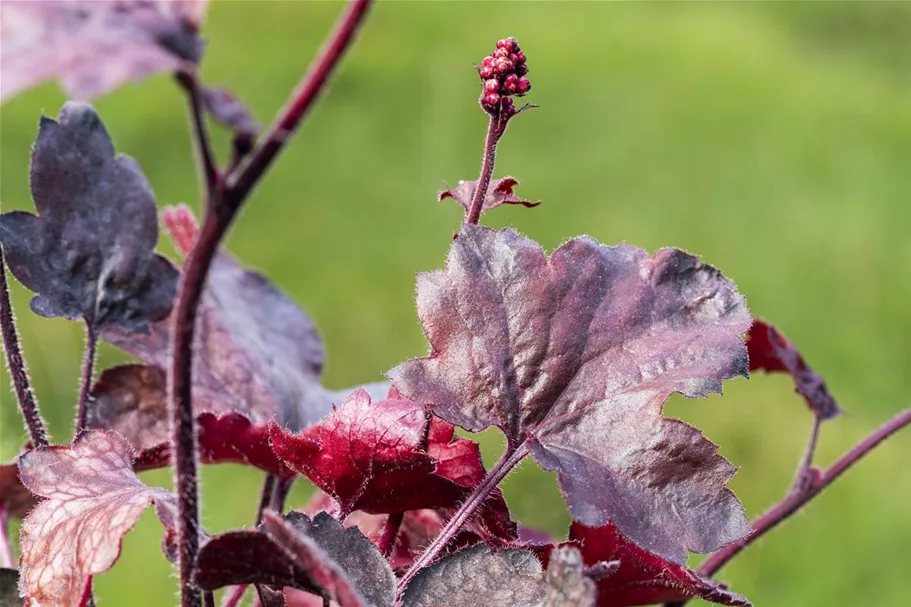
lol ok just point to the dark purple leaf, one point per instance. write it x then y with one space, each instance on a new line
89 251
318 555
506 578
9 588
93 47
578 353
132 400
567 584
227 110
258 353
643 578
499 192
93 499
369 456
771 351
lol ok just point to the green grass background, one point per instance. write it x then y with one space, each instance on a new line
774 140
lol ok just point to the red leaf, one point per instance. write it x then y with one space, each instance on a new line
15 499
499 192
643 578
370 457
93 499
132 400
93 47
318 555
771 351
578 353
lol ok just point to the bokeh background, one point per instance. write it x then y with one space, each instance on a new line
773 139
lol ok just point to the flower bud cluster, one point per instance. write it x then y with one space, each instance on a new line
503 74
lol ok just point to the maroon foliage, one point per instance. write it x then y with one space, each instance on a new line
375 457
132 400
578 353
92 499
89 251
94 47
318 555
642 578
771 351
500 191
15 500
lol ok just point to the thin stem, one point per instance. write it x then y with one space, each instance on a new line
7 559
282 489
511 457
202 142
242 181
487 164
390 533
37 429
208 598
86 599
803 478
796 500
265 498
88 368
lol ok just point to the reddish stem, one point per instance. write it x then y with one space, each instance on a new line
233 598
37 429
511 457
796 500
265 497
86 599
490 156
85 385
202 143
242 181
390 533
7 559
208 599
804 477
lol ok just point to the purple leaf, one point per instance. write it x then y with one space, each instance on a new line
9 588
577 354
771 351
499 192
89 251
506 578
93 499
319 556
258 353
93 47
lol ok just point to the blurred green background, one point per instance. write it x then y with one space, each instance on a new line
773 139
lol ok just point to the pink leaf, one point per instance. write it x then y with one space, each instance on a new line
643 578
499 192
94 46
369 456
93 499
577 354
771 351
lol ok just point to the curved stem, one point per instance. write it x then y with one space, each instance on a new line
796 500
511 457
242 181
202 143
85 385
487 164
282 489
37 429
803 478
265 497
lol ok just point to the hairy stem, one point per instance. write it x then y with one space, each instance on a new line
86 599
511 457
796 500
88 369
37 430
803 478
242 181
234 596
490 156
282 489
265 498
390 533
201 141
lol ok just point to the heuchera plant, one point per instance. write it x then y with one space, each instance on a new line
570 355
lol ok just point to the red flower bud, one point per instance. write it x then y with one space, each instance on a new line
491 86
486 73
518 57
521 69
524 86
491 100
504 66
